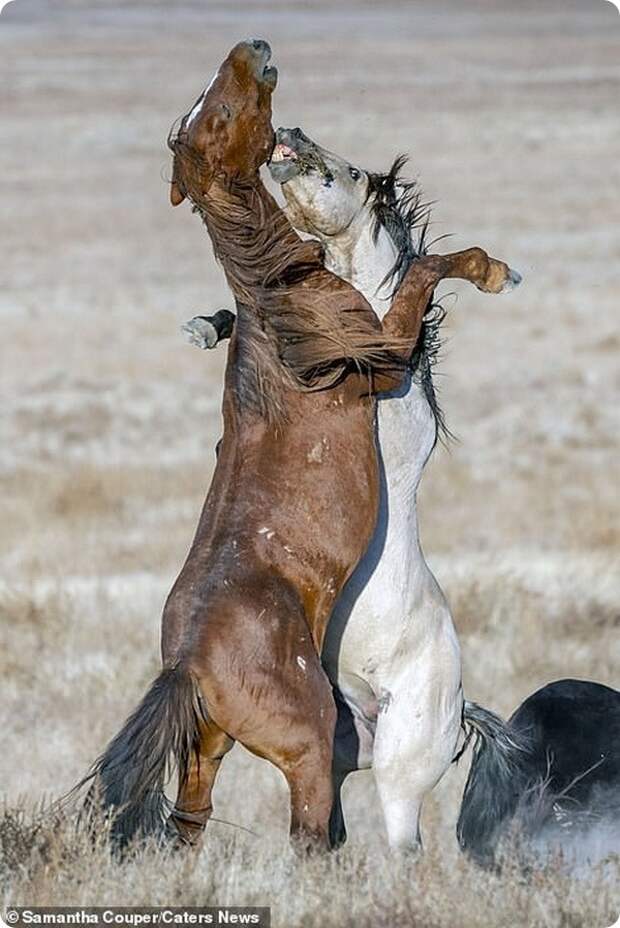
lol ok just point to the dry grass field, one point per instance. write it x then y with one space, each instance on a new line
109 419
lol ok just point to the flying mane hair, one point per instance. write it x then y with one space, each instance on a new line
265 263
398 207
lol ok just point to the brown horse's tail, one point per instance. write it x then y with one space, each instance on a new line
128 780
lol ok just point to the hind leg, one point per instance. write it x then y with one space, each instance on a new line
263 683
310 783
416 737
288 718
302 751
300 743
353 746
407 766
337 824
192 809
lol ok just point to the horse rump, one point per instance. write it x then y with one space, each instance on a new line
549 777
127 782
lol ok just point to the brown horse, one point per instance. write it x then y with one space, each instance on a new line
294 497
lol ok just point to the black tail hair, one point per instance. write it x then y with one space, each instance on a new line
129 778
498 777
398 206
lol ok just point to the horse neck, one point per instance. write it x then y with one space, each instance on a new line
355 256
251 236
365 263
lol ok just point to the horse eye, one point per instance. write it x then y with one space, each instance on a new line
226 110
355 174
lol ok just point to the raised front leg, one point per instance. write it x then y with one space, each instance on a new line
209 331
405 316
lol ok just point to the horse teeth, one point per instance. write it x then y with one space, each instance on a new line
282 152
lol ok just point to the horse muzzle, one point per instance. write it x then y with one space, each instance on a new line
265 72
294 153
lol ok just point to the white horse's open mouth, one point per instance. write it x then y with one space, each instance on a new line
283 153
294 153
288 158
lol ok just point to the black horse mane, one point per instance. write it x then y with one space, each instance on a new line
398 207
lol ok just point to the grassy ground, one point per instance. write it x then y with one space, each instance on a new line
110 420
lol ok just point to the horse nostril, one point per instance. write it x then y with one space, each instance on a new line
296 132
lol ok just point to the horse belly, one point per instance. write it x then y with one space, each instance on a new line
334 493
312 513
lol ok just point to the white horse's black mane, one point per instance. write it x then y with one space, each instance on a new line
398 207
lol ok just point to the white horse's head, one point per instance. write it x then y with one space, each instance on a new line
324 193
335 200
372 226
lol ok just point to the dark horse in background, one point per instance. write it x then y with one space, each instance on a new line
566 782
294 497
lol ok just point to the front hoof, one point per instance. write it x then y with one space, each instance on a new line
499 278
512 282
201 332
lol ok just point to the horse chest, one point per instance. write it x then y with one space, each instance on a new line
407 431
391 602
373 616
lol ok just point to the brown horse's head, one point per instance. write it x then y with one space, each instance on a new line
228 131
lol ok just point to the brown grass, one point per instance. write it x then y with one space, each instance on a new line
50 861
80 652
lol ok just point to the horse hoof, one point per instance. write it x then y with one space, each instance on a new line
512 281
201 332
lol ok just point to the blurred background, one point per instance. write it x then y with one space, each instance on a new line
509 113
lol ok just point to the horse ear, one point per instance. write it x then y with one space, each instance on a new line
176 193
176 196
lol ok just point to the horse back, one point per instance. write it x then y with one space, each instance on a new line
575 730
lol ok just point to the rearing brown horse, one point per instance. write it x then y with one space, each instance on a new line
294 497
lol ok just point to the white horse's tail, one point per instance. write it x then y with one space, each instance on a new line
499 771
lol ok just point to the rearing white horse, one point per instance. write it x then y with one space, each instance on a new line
391 649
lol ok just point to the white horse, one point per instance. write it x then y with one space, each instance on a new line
391 649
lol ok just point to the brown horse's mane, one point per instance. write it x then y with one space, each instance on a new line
252 238
296 338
